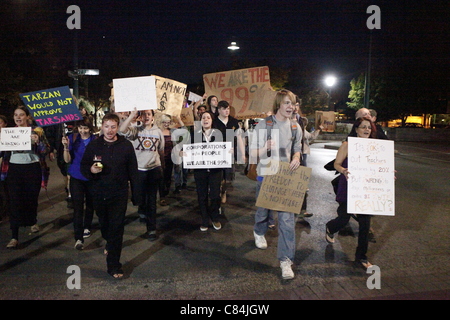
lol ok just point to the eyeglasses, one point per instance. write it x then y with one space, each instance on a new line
365 127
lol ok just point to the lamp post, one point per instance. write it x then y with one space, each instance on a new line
233 48
330 81
367 80
75 74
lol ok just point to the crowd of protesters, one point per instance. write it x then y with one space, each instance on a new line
141 152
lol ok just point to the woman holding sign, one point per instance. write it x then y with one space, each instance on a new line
208 181
364 128
25 172
148 143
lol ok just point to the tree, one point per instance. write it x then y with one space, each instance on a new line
356 94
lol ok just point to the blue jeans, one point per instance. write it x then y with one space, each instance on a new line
286 229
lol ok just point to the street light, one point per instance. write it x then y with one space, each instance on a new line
330 81
233 46
81 72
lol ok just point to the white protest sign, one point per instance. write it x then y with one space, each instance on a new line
207 155
194 97
371 183
136 92
15 139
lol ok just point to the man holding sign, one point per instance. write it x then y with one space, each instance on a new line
283 143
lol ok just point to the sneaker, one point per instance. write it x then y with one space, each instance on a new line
217 225
286 269
163 203
12 244
79 245
203 229
363 263
329 236
35 228
260 241
152 235
86 233
177 190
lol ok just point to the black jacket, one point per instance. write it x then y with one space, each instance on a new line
119 167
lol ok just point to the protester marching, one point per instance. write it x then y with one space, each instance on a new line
157 133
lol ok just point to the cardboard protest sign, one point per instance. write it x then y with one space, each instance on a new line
15 139
371 183
51 106
187 116
134 92
207 155
239 88
169 95
284 190
326 119
263 101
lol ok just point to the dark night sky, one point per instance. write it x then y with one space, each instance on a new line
182 40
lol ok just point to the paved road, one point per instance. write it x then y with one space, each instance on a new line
411 250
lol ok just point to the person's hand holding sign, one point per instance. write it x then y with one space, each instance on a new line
295 163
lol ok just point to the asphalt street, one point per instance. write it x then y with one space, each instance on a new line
411 248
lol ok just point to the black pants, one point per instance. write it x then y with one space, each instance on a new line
364 226
166 181
82 218
208 186
111 216
24 184
147 186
